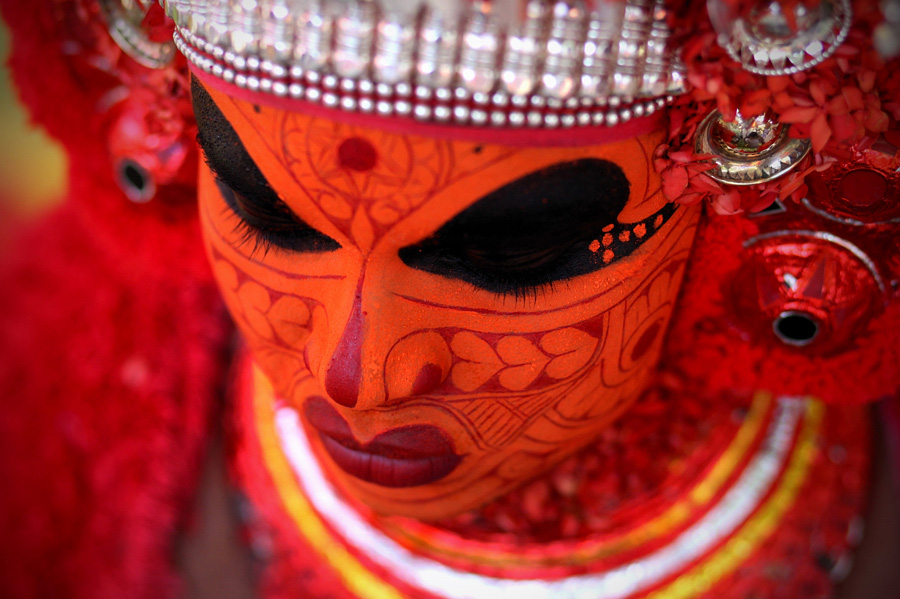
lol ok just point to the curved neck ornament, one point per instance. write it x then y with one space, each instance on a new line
738 509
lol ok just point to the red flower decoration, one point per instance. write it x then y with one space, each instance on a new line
843 105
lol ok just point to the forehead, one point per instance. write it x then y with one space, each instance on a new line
353 177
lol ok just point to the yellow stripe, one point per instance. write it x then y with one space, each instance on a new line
358 579
365 584
679 512
761 525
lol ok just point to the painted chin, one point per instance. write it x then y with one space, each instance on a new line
407 456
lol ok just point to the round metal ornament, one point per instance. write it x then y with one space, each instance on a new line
748 151
780 37
125 20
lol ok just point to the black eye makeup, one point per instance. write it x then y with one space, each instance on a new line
268 223
546 227
263 218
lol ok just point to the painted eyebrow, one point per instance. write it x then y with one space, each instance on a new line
225 153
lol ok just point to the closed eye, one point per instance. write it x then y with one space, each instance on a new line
270 223
548 226
263 218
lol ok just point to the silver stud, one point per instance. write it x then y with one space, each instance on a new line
442 113
384 108
443 94
422 92
500 99
402 107
461 114
365 86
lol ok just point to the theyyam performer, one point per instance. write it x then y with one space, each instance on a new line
583 299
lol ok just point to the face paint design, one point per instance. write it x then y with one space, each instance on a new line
448 318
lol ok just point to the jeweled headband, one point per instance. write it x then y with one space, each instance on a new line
503 63
759 98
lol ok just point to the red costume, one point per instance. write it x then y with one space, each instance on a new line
729 457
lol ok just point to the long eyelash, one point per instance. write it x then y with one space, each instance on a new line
538 283
247 233
262 240
269 224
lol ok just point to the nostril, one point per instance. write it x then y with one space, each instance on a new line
416 365
429 377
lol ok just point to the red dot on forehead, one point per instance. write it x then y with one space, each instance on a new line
357 154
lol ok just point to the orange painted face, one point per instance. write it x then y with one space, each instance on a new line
448 318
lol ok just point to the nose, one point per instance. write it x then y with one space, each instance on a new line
344 375
380 358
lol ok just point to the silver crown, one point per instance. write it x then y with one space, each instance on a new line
559 64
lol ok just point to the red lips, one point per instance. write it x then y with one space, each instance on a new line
407 456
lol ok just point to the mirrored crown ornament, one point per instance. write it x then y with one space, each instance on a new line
533 63
780 37
126 21
808 290
748 151
863 192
